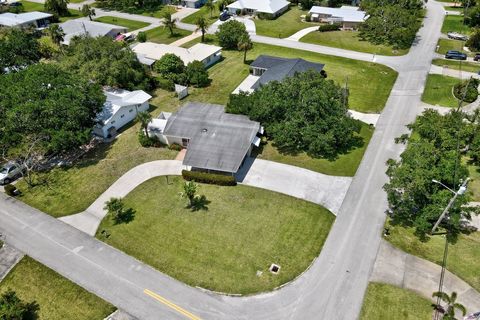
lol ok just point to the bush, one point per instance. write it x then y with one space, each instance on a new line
166 84
142 36
169 66
471 90
230 33
329 27
10 190
196 74
175 146
308 17
265 16
147 142
473 43
210 178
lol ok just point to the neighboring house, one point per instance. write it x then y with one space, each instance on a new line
149 52
120 108
192 3
33 19
267 68
216 141
348 17
273 8
82 27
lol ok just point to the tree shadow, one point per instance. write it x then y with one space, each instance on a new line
199 203
126 216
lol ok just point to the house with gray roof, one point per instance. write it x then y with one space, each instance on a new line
216 141
33 19
268 68
83 27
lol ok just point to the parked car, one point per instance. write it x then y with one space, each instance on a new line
9 173
224 16
457 36
456 55
477 57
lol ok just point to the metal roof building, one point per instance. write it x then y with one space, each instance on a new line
82 27
35 18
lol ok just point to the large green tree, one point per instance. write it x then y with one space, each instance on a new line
13 308
18 49
106 62
57 7
230 33
45 110
434 152
303 113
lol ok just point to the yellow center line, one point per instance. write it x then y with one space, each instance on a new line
170 304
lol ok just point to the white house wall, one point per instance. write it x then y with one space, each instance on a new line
128 112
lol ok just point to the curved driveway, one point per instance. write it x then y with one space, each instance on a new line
332 288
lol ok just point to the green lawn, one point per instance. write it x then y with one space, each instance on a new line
455 64
29 6
129 24
463 256
447 44
72 190
474 184
384 301
243 231
163 35
58 298
454 8
349 40
438 91
345 165
205 12
455 24
285 25
159 13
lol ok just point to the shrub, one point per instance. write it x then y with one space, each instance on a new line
238 12
147 142
329 27
169 66
166 84
142 36
10 190
471 93
175 146
308 17
265 16
209 178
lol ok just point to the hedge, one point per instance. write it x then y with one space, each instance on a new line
329 27
210 178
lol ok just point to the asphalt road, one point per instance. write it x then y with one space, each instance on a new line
332 288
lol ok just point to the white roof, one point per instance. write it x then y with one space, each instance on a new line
80 27
266 6
10 19
247 84
118 98
155 51
157 125
343 14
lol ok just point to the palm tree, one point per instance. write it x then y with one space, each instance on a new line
451 306
169 21
56 33
245 44
202 25
210 6
144 118
88 11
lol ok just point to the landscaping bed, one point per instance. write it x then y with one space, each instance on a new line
58 298
244 230
384 301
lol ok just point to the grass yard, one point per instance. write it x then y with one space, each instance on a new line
345 165
205 12
72 190
285 25
447 44
369 99
349 40
162 35
384 301
58 298
454 23
243 231
159 13
462 257
29 6
454 8
456 65
129 24
474 184
438 91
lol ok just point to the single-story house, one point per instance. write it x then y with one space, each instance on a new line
120 108
34 19
216 141
82 27
149 52
268 68
192 3
274 8
349 17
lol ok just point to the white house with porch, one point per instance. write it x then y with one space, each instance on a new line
274 8
349 17
120 108
33 19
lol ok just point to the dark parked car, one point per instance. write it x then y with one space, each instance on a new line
456 55
224 16
477 57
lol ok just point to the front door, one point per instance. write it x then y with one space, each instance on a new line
185 142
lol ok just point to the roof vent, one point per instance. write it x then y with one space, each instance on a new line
204 130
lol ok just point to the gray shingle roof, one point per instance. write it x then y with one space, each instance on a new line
218 140
281 68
